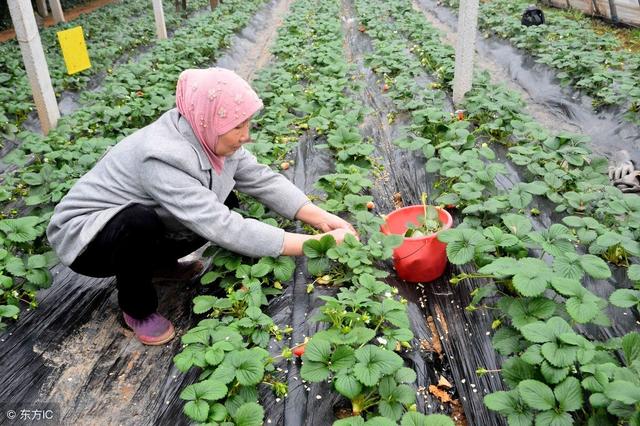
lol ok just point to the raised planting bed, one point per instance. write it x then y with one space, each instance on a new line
106 44
594 63
129 99
533 320
497 212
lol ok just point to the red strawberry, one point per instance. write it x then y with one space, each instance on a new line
299 350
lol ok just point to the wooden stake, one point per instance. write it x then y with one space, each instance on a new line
161 27
24 23
465 48
56 11
613 12
214 4
42 8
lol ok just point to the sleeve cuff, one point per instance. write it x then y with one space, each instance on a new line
296 200
265 240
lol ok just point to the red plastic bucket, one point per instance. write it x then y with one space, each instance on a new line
418 259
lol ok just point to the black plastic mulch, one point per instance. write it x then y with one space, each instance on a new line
73 351
607 127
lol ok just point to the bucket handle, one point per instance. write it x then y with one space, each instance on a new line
424 243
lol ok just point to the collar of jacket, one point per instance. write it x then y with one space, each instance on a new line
185 130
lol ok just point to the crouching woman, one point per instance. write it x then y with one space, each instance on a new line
160 193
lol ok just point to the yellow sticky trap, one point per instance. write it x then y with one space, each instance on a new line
74 50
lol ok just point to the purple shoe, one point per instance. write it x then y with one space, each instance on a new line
152 330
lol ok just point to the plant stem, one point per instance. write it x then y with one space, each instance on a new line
424 206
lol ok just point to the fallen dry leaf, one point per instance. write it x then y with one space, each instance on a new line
444 383
442 320
458 413
426 346
443 396
397 200
435 336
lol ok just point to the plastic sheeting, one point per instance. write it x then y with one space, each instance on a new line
624 11
560 107
73 351
70 100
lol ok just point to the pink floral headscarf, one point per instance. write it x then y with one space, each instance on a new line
214 101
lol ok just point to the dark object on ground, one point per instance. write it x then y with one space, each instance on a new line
532 16
180 4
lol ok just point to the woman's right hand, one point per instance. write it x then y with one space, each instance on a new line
293 243
340 233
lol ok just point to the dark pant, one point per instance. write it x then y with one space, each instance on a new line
131 246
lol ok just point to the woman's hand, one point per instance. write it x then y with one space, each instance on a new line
321 219
293 243
340 233
332 222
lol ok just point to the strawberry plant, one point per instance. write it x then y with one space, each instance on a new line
48 166
230 346
538 301
334 184
239 310
592 62
628 298
348 146
105 43
428 223
231 373
316 252
369 376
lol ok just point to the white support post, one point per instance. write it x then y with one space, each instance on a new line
24 23
465 48
161 27
56 11
42 8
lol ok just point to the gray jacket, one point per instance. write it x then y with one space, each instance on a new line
164 166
